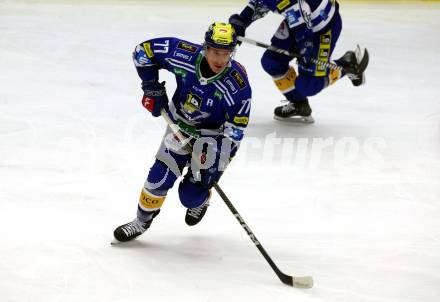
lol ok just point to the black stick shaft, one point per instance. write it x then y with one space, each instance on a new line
300 282
283 277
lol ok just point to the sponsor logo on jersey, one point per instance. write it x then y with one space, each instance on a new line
323 53
188 129
231 86
187 47
238 79
282 5
148 51
140 57
325 39
180 72
181 55
236 134
218 94
197 89
244 120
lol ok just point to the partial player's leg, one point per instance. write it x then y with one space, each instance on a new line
159 181
194 197
162 176
284 77
354 62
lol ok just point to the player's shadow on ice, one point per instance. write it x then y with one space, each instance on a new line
188 248
296 130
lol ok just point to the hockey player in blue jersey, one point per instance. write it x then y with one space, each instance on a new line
211 106
310 28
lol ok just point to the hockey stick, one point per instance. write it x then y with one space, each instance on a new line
288 53
298 282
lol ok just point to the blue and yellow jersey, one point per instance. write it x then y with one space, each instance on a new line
214 106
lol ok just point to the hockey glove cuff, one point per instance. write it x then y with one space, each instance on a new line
155 97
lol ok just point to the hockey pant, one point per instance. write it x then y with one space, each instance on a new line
170 162
308 81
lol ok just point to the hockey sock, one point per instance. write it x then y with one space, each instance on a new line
286 82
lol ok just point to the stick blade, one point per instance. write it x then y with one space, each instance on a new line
302 282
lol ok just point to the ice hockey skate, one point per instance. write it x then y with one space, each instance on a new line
297 112
131 230
354 64
194 215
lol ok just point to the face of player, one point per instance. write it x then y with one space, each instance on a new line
217 58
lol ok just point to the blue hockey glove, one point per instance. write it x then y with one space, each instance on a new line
155 97
210 176
306 52
222 158
239 25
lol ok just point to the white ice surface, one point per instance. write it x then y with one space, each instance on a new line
361 214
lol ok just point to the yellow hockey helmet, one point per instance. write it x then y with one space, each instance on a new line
221 35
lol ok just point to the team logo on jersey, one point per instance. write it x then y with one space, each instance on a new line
191 108
192 104
238 79
187 47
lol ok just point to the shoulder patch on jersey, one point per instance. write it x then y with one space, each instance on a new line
187 47
238 79
147 48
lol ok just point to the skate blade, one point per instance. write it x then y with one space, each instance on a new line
115 242
296 119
